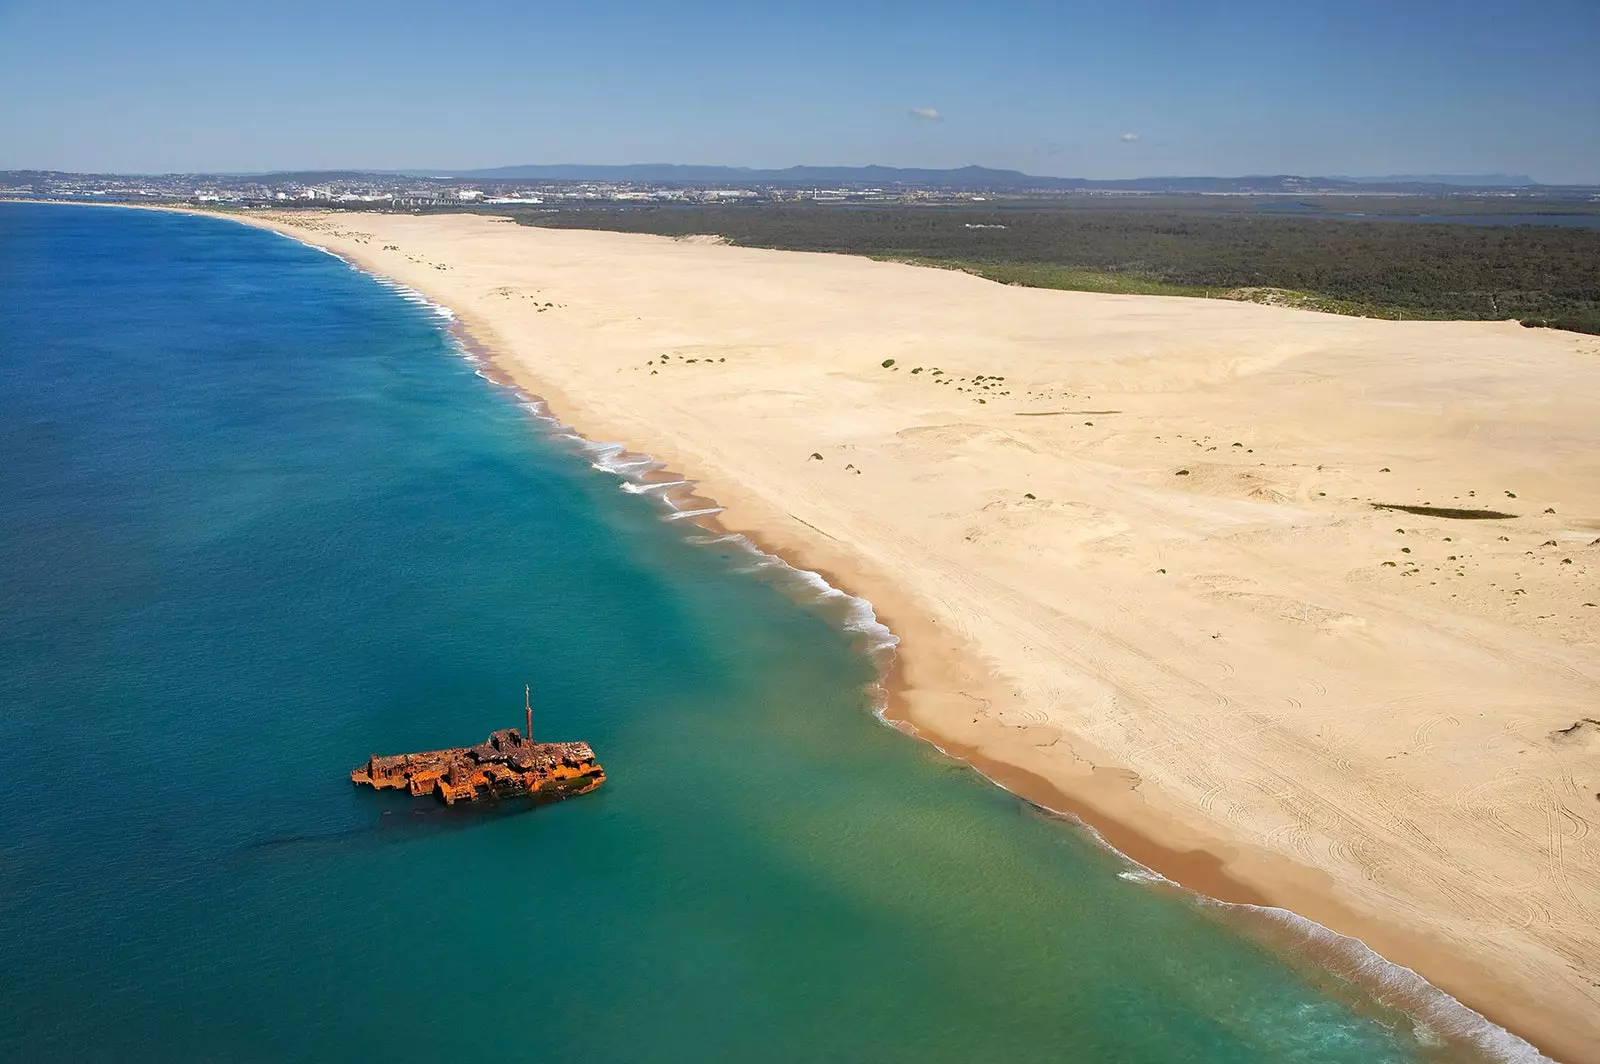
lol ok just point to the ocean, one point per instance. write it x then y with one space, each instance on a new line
262 515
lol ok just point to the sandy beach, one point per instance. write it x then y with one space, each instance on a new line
1131 549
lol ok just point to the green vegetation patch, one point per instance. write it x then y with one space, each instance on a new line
1539 275
1065 278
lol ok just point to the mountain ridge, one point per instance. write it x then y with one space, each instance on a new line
964 179
970 177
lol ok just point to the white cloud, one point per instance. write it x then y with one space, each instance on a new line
1129 137
930 113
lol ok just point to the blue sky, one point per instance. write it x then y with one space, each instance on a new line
1112 88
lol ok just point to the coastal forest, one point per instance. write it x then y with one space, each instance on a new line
1539 275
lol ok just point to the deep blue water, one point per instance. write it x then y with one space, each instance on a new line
259 518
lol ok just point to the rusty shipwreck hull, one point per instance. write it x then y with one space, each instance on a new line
506 765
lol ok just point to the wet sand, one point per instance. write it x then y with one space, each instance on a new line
1183 620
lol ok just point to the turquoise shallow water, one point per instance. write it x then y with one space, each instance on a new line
260 518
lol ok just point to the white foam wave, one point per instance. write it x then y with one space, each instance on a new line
636 488
859 616
1441 1015
615 458
1437 1014
632 468
604 452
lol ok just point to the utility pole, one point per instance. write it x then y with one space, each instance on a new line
527 700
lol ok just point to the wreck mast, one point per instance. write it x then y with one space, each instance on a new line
527 701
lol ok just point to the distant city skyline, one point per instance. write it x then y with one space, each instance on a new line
1138 89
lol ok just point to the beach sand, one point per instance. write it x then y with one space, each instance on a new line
1130 548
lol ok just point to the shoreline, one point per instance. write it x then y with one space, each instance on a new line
1198 873
1208 867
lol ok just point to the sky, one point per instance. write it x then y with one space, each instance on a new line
1102 89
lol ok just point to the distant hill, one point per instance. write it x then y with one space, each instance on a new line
964 179
973 178
854 176
1467 180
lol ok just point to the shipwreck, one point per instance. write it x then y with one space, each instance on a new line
508 764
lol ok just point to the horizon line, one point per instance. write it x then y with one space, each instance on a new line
1501 179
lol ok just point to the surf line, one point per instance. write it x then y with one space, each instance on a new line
1434 1010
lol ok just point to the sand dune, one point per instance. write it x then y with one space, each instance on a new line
1131 546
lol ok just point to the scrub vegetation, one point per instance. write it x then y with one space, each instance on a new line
1539 275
